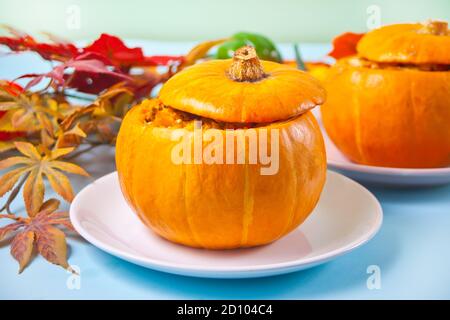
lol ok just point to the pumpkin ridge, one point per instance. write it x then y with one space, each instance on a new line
132 176
287 140
248 206
188 220
130 166
357 110
413 111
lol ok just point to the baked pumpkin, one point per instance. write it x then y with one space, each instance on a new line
389 105
225 204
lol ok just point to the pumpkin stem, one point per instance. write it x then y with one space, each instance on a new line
438 28
246 65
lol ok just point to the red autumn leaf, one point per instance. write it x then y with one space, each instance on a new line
108 46
124 57
91 66
37 78
88 64
5 136
11 87
114 49
56 51
91 63
20 41
345 45
93 83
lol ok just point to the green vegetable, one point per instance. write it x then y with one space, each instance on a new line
264 47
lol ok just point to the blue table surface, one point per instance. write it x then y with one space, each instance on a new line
412 248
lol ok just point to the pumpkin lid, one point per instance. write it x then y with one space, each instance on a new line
243 89
408 43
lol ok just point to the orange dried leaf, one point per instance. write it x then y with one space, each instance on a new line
60 183
115 90
8 229
40 230
61 218
12 161
9 179
21 119
76 130
33 192
63 222
60 152
69 140
345 45
51 244
6 145
49 206
69 167
6 122
36 164
22 248
78 113
7 105
28 150
200 51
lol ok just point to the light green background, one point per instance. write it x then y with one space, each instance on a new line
283 20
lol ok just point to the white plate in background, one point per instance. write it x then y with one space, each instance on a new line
401 177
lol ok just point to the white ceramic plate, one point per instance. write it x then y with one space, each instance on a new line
347 216
381 175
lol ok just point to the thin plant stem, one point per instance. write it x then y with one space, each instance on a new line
79 153
13 195
12 217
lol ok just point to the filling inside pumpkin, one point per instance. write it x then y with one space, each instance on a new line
362 62
163 116
434 28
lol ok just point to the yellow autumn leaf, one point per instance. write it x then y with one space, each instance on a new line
200 51
6 122
33 167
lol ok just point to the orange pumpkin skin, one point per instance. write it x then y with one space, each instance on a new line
389 117
205 90
407 43
219 206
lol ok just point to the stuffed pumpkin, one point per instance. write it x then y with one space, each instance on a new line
389 105
229 204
